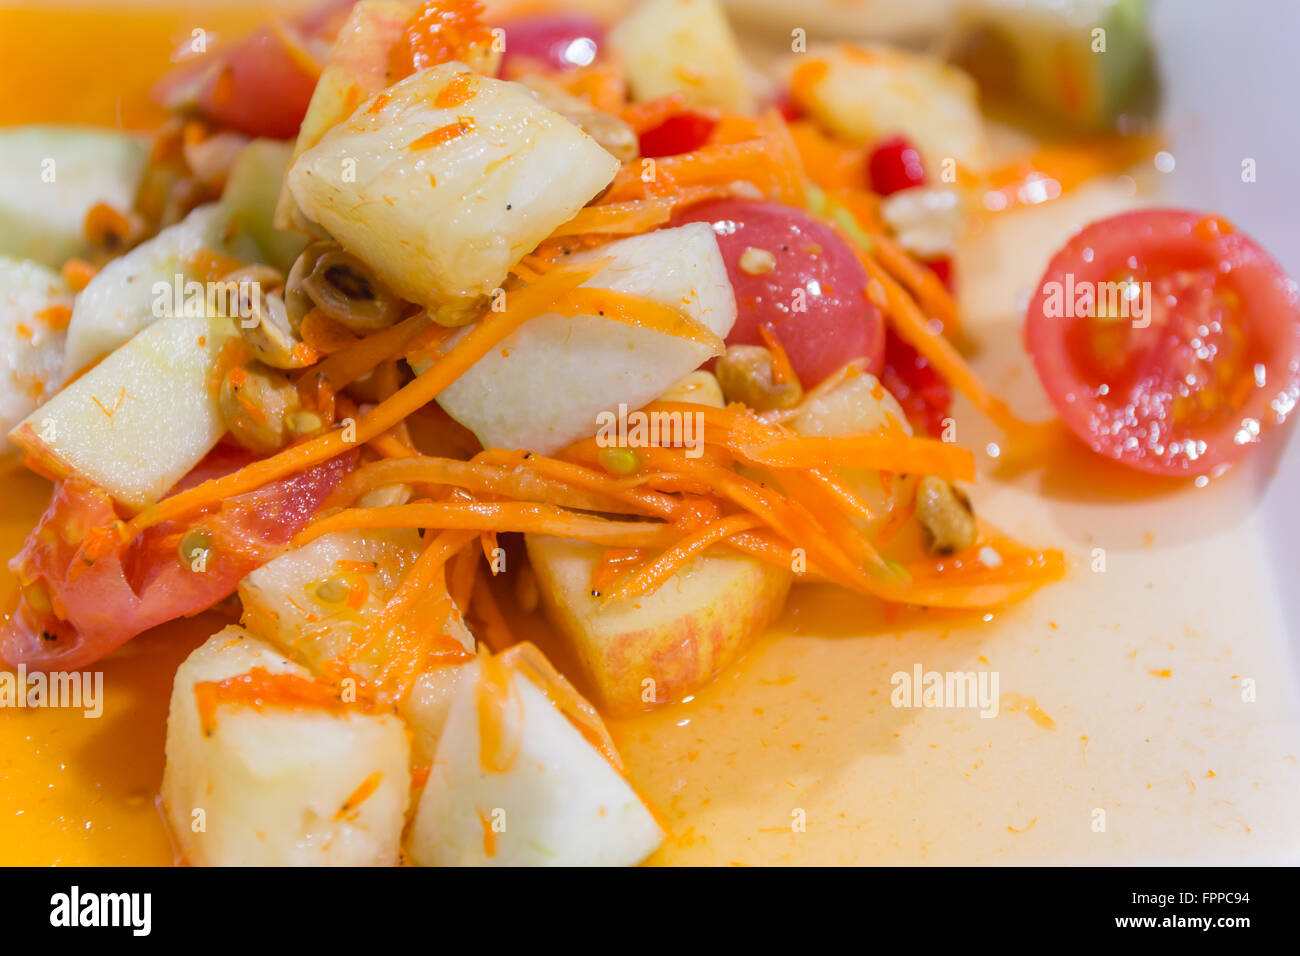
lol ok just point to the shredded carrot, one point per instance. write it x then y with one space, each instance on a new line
590 479
55 317
359 795
463 573
782 370
509 475
922 282
912 327
640 312
326 335
494 516
500 714
352 362
653 575
444 134
261 688
613 564
899 453
488 541
521 306
623 218
492 628
77 273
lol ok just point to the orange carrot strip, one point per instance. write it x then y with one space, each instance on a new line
494 516
897 453
493 630
921 282
351 363
623 218
651 576
913 328
522 305
782 370
522 481
638 311
599 482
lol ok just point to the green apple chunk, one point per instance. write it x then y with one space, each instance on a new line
249 200
138 288
51 176
302 602
279 785
550 380
31 348
683 47
138 421
559 802
664 645
440 201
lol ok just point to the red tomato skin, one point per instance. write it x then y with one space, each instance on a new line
1126 422
103 606
895 165
683 132
258 88
548 38
838 324
923 393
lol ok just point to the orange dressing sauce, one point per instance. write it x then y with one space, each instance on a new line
797 754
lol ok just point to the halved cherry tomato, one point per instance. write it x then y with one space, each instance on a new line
813 299
682 132
1189 350
71 613
562 41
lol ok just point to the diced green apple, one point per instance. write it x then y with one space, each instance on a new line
685 47
31 348
559 802
441 201
546 385
660 647
279 786
299 602
124 296
251 193
138 421
51 176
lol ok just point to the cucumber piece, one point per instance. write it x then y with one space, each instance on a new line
51 176
121 299
1047 53
252 192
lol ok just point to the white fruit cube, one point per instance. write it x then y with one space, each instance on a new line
559 802
138 421
278 785
445 180
547 383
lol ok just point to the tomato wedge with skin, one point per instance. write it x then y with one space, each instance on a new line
70 614
811 296
1195 359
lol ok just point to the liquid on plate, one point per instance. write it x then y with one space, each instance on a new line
1145 709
